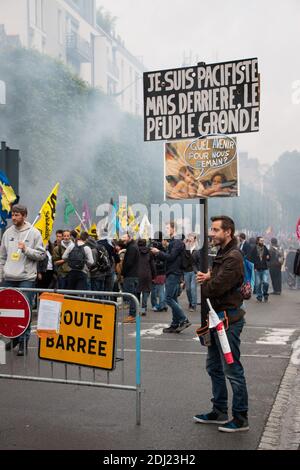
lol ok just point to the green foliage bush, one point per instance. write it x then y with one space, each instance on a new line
67 131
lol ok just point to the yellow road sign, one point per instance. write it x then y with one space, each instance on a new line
86 336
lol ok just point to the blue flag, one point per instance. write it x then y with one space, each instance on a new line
7 199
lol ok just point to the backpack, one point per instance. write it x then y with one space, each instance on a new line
76 258
247 287
102 262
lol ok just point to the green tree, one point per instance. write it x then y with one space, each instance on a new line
69 132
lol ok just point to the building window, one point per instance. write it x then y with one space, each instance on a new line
59 27
42 14
39 14
36 12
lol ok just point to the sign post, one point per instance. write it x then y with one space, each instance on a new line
204 256
15 313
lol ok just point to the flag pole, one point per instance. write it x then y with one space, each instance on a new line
30 230
80 219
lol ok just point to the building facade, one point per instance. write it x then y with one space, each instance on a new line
67 30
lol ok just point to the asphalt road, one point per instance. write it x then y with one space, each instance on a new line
176 386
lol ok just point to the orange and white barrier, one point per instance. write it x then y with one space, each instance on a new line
215 322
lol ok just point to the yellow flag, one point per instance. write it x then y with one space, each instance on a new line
78 229
47 215
93 231
8 196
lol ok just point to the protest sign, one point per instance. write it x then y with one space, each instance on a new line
189 102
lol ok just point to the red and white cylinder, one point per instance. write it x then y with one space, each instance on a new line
224 343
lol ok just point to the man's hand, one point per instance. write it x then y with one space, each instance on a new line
21 246
201 277
155 251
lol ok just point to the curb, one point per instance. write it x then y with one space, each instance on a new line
282 430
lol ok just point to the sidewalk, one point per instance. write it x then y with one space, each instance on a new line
282 430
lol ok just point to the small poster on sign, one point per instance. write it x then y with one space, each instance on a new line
49 313
202 168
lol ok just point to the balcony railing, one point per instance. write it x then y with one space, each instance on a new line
78 48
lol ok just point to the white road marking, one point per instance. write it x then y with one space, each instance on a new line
200 353
196 353
276 336
153 332
295 357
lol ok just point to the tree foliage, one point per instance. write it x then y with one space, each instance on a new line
106 20
69 132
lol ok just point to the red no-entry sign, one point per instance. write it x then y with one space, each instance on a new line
14 313
298 229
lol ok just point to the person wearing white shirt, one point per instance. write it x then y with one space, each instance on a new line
78 276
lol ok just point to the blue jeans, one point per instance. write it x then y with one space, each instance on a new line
30 296
262 284
77 280
191 288
62 282
130 285
172 289
158 293
218 369
145 296
97 284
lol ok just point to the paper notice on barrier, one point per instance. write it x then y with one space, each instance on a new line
49 315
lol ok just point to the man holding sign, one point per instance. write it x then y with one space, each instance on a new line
21 249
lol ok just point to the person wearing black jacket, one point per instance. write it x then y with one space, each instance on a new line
146 273
192 255
45 269
96 276
158 296
173 257
297 268
245 246
275 264
130 273
260 256
109 278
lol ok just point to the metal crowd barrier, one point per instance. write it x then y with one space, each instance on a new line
84 295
